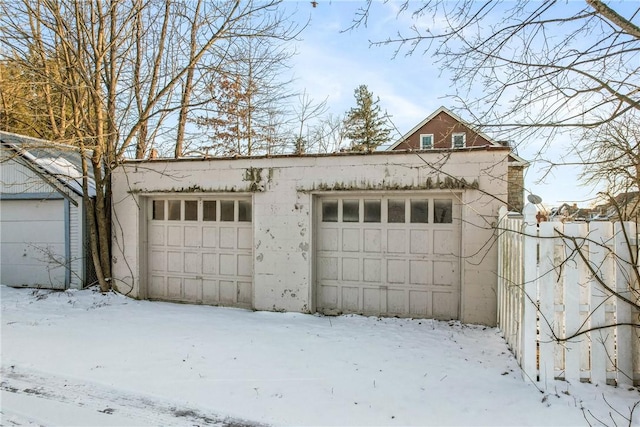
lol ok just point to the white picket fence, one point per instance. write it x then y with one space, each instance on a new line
558 280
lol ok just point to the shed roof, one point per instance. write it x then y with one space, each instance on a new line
59 163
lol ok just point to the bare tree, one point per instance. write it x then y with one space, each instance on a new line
540 70
249 90
306 111
610 155
528 67
328 134
124 69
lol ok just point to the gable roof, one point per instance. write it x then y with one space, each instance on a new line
442 109
55 163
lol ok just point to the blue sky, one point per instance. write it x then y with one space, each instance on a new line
332 62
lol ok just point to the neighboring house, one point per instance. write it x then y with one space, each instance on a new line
568 213
625 205
445 130
43 236
382 234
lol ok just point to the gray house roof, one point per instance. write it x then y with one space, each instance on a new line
57 163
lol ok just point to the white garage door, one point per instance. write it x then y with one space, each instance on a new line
200 251
32 251
389 256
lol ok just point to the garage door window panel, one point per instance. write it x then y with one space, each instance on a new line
351 211
158 210
395 211
227 210
174 210
419 211
190 210
244 211
209 212
329 211
443 211
372 211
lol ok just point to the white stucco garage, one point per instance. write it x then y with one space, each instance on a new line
385 233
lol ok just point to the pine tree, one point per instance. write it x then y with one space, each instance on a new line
366 126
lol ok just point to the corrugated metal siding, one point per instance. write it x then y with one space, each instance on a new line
16 178
90 277
76 243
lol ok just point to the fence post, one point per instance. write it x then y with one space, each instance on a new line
547 282
575 279
529 322
600 234
502 215
624 281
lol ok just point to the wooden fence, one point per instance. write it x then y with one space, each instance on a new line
567 294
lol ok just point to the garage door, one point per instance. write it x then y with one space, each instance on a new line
32 250
200 251
389 256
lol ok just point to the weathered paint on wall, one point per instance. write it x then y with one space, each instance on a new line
283 190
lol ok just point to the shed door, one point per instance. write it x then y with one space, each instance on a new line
389 256
200 251
32 247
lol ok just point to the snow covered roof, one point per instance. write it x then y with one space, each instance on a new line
60 162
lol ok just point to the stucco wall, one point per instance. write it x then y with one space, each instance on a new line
283 190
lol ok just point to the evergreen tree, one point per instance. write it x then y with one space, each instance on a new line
365 125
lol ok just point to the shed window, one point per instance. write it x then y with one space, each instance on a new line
426 141
458 140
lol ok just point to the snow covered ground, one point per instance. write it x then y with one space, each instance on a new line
82 358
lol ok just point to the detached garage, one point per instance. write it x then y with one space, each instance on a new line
200 250
42 215
390 255
384 234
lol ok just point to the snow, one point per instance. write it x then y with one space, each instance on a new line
83 358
